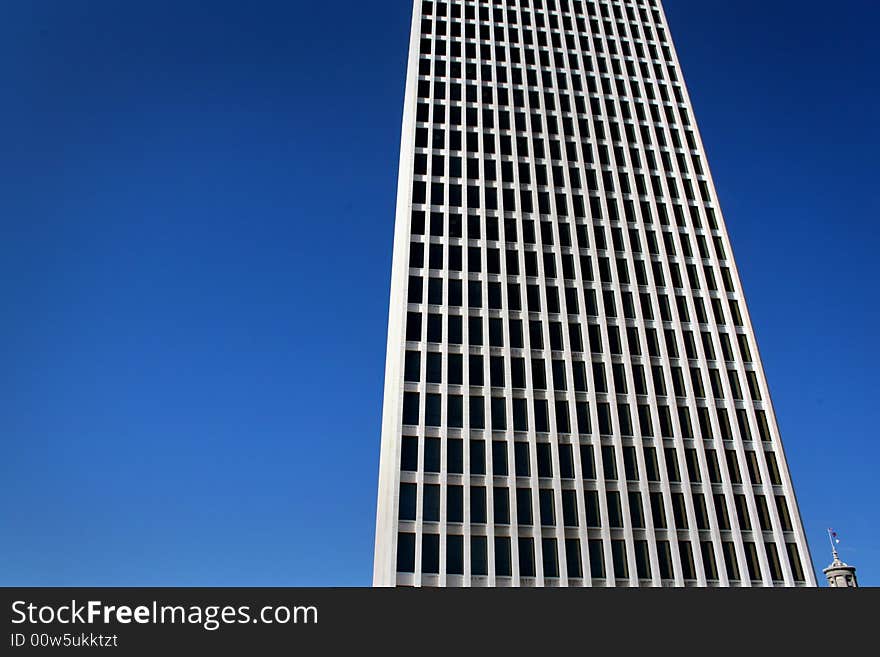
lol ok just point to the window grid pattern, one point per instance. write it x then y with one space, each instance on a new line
574 396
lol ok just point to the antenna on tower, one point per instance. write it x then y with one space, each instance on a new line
834 539
839 574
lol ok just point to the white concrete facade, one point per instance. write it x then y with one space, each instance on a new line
556 214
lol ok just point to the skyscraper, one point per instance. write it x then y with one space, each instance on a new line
573 391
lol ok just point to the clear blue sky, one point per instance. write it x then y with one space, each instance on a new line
196 202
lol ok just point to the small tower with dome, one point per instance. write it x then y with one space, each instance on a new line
839 574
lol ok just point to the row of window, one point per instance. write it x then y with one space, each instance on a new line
540 72
550 301
638 101
570 505
532 68
488 169
579 7
601 99
582 455
636 12
547 30
487 226
620 560
509 200
455 139
516 375
429 328
552 76
431 254
582 235
510 38
609 422
608 274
